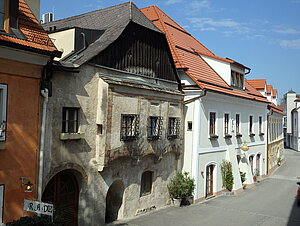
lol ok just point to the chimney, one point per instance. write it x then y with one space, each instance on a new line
34 5
47 17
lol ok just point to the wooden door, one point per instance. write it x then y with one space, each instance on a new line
209 180
62 191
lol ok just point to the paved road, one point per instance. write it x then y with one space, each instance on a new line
270 203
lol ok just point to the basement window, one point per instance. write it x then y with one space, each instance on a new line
146 183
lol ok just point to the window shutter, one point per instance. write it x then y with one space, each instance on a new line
13 13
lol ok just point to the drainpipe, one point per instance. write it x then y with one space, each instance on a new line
44 93
267 152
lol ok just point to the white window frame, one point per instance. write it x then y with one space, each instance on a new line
216 123
3 109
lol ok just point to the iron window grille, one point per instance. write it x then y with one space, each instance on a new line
129 127
173 128
154 127
70 120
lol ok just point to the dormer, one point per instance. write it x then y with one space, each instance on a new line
237 76
8 15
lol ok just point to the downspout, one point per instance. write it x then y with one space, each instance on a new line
197 97
268 124
44 93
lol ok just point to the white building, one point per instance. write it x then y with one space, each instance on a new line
222 111
292 105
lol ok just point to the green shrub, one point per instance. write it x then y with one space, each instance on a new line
227 176
243 176
181 186
32 221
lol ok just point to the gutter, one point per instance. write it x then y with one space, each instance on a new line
44 93
197 97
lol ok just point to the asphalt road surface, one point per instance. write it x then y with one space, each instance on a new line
270 203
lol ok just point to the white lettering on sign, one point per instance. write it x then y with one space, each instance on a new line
38 207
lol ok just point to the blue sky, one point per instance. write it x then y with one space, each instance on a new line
261 34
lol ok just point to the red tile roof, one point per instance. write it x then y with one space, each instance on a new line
35 38
258 84
269 89
277 109
187 51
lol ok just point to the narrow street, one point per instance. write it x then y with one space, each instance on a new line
271 203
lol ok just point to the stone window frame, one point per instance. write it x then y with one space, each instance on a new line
155 124
173 127
129 126
70 125
146 182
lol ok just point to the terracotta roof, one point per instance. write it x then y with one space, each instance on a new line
276 109
258 84
34 37
187 51
274 93
269 89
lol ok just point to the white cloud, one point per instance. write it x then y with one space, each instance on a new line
290 44
169 2
290 31
195 5
226 26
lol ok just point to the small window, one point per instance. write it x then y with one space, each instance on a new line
70 120
154 127
237 123
226 124
1 202
4 15
260 125
212 123
3 105
146 183
251 126
237 80
129 127
189 125
173 128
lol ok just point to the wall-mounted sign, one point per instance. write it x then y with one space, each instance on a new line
38 207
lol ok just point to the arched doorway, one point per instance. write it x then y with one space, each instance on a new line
209 180
251 157
62 190
114 201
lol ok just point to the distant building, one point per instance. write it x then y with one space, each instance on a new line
25 50
115 121
292 123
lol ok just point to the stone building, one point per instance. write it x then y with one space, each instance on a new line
114 132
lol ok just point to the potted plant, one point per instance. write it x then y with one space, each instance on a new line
256 174
181 188
227 176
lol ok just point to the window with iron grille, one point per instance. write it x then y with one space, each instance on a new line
129 127
70 120
3 101
173 128
146 183
154 127
212 123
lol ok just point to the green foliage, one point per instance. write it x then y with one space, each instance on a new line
243 176
181 186
32 221
227 176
